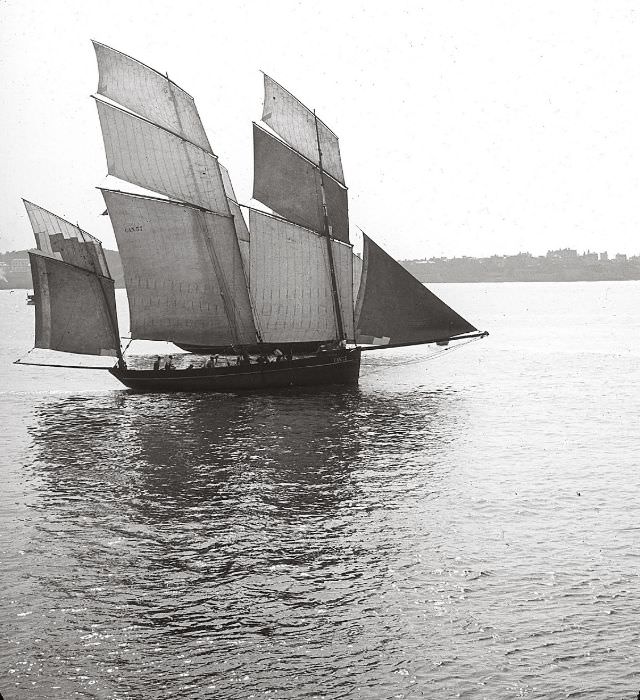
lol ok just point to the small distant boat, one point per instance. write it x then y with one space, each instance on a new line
31 299
286 295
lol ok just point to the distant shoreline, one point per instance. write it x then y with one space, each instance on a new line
557 266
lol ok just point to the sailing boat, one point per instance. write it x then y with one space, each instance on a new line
285 296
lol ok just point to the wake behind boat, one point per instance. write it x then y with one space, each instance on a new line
198 276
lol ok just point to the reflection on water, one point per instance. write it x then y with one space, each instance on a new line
477 541
213 539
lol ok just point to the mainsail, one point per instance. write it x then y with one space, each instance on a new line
183 259
290 282
394 308
74 294
169 265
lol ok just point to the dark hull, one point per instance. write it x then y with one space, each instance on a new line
324 369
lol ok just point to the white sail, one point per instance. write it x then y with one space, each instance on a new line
59 238
183 272
149 93
296 124
151 157
291 285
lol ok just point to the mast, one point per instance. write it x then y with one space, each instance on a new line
212 254
327 233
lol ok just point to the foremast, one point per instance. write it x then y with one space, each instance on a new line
184 271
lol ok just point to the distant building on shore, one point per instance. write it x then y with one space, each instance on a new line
562 265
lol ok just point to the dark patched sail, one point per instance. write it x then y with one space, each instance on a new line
61 239
394 308
291 185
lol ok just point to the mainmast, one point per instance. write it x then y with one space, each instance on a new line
226 302
327 233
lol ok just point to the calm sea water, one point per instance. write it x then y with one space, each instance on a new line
461 527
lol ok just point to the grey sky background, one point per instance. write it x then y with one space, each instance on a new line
466 128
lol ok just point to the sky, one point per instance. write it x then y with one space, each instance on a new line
466 127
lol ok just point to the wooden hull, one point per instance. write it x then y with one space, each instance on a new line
342 367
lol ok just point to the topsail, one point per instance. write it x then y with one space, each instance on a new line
150 94
296 124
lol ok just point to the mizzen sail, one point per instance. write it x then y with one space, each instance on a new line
74 294
393 307
75 308
290 282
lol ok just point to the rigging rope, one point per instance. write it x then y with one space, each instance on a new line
432 356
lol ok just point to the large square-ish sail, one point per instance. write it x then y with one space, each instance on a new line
183 272
291 284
